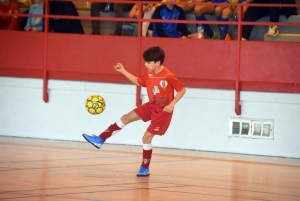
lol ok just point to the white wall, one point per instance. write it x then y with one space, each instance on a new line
200 120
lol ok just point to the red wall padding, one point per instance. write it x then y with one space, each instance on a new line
265 66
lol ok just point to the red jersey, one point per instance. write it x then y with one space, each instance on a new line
9 22
161 86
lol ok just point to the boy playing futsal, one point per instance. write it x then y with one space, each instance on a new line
160 84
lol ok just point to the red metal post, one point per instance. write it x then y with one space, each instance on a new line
238 106
45 74
138 88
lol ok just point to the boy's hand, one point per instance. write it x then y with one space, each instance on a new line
119 67
169 108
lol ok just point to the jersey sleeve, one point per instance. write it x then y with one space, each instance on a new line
174 81
142 80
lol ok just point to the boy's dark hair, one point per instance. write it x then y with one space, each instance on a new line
154 54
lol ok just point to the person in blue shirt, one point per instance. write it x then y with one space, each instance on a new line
35 23
167 29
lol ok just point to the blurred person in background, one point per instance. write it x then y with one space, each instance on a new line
59 25
118 8
9 22
36 24
166 29
255 13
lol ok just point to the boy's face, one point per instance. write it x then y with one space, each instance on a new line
151 65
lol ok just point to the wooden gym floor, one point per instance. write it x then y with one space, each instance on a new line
43 170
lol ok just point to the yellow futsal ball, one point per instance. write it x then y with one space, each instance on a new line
95 104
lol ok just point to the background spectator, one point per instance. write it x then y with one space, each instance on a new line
9 22
134 12
169 12
147 15
224 12
96 7
236 10
200 11
187 7
148 10
118 9
35 23
64 25
255 13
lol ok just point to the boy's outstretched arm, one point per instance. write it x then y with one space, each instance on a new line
120 68
169 108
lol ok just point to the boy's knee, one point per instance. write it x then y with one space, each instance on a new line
125 119
226 13
147 138
198 11
218 11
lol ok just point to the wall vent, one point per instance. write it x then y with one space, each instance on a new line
251 128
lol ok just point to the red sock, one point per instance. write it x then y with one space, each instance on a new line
146 158
112 129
